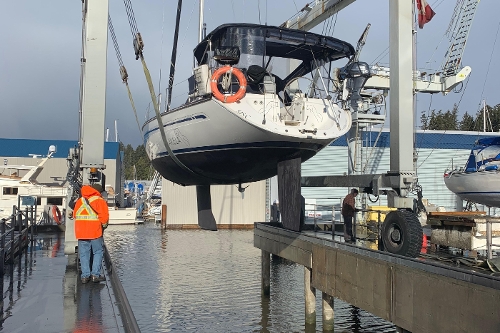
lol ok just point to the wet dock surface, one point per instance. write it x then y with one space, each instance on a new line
42 293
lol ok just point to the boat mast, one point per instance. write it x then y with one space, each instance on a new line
200 27
174 55
484 115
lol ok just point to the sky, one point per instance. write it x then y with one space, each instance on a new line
40 52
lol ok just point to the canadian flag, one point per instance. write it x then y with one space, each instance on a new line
425 13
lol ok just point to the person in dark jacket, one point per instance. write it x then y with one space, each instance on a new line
348 210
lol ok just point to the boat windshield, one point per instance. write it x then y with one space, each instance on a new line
245 45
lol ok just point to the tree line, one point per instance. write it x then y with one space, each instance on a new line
136 164
449 120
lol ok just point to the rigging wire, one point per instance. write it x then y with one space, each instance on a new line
138 49
123 71
444 132
489 63
161 50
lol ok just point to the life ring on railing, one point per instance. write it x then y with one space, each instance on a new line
56 214
241 80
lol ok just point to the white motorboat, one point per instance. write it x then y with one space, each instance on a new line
479 180
49 200
241 118
123 215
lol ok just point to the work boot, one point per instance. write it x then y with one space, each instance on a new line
97 279
85 279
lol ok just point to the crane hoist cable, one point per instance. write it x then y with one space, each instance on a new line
123 71
138 49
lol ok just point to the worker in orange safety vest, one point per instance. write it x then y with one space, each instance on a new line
91 216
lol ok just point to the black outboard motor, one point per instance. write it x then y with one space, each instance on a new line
355 75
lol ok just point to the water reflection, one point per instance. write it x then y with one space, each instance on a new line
202 281
89 309
356 322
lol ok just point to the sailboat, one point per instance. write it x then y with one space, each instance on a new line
241 118
479 180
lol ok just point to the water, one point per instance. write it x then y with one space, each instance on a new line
203 281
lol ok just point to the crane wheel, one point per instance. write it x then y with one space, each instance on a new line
402 233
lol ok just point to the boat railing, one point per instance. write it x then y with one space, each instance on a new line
15 233
47 191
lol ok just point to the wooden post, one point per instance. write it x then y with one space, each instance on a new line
310 297
266 273
289 193
163 216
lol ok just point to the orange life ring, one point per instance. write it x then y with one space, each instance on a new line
241 80
56 214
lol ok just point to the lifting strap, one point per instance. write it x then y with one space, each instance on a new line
138 49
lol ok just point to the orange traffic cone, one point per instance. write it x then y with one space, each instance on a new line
424 244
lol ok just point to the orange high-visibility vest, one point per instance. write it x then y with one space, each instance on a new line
87 224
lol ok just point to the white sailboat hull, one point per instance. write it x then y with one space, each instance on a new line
241 142
482 187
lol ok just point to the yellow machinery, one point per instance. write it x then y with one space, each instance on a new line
373 213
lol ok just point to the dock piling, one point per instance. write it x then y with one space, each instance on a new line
266 273
328 312
310 297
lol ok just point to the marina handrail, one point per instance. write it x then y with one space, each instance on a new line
11 242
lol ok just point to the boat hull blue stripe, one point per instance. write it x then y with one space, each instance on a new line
267 144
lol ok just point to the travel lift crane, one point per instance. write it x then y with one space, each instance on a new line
401 231
86 160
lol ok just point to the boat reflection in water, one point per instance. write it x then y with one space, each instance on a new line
180 280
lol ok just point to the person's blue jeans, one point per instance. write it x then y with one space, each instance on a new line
85 246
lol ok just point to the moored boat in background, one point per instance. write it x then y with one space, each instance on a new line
479 180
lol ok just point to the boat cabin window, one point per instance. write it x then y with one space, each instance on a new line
54 201
10 190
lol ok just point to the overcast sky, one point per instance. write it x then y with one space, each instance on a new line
41 43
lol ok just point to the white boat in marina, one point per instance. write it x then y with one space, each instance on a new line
241 119
50 200
479 180
122 215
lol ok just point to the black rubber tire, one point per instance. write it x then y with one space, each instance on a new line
402 233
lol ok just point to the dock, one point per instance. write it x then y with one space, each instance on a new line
417 295
43 293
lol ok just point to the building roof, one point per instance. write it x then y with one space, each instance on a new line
25 147
424 139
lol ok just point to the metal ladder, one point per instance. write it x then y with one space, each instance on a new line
458 32
154 184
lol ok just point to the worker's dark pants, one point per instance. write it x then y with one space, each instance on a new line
348 228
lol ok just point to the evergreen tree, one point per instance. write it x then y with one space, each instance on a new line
467 123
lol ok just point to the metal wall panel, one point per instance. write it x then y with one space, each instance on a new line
431 165
228 205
